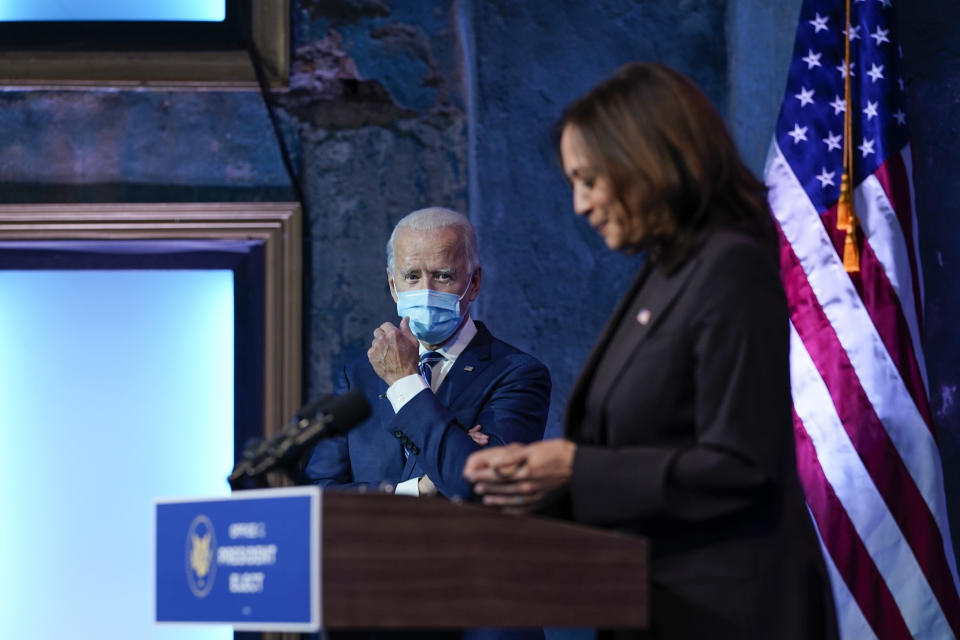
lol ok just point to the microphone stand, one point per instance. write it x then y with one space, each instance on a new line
323 418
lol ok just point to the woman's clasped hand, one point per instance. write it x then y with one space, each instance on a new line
517 477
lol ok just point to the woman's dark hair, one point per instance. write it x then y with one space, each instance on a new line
669 157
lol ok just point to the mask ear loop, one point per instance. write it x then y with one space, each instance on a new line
465 291
469 284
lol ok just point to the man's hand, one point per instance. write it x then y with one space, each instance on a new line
394 352
516 477
477 435
425 486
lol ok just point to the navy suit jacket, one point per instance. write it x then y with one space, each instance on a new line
492 384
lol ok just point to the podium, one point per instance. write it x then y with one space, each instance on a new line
395 562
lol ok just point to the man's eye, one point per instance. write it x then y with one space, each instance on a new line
443 277
589 182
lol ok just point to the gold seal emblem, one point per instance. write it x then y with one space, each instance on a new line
201 547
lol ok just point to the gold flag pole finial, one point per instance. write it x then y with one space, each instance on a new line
846 216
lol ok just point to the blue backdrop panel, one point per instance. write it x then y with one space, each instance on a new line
116 387
111 10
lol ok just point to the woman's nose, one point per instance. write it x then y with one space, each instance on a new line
581 203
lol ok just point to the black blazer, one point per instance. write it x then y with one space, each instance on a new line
683 412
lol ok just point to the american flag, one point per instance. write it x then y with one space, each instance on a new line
866 448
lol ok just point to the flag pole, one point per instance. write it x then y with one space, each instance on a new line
846 216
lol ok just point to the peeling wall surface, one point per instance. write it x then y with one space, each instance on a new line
396 105
375 112
102 145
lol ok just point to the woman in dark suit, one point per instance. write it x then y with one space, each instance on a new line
679 426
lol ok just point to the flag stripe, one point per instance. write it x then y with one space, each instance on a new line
860 460
882 229
879 300
907 156
860 345
849 614
896 183
899 337
846 549
864 429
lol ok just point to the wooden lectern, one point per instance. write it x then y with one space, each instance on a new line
396 562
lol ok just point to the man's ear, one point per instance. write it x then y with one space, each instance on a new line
475 281
392 286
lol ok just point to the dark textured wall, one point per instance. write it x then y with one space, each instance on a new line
395 105
549 280
102 145
375 117
931 58
759 46
373 121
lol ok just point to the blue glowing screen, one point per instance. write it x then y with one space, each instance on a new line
113 10
116 388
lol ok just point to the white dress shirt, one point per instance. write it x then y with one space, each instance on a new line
404 389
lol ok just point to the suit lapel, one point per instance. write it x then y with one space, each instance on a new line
657 306
466 369
452 394
578 391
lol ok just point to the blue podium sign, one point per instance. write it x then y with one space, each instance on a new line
251 560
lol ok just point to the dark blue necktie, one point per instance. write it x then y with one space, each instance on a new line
427 360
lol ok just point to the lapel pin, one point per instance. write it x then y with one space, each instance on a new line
469 367
643 316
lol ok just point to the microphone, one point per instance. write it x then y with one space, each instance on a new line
321 418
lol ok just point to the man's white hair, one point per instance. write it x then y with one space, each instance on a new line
431 219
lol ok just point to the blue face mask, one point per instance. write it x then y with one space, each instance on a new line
434 315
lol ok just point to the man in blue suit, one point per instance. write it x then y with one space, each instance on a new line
439 384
